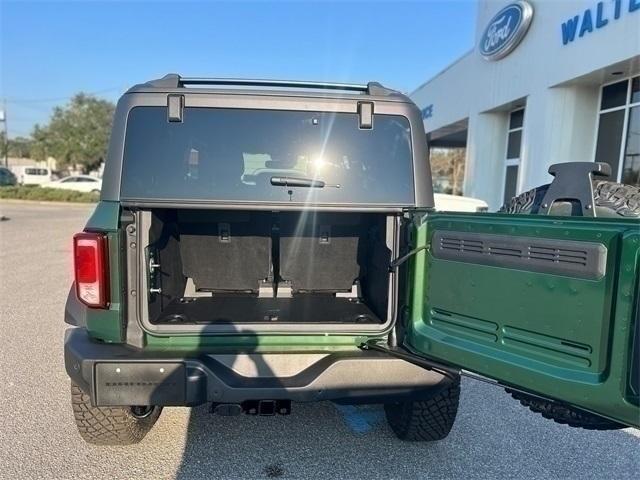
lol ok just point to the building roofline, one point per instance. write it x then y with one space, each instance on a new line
445 69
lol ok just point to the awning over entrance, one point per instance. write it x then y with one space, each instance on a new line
453 135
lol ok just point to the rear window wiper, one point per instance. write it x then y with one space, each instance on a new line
299 182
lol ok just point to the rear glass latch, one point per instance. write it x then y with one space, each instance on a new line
325 234
175 108
224 232
365 115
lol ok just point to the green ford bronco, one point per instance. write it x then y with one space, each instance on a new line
259 243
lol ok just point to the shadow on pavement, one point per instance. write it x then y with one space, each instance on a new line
494 437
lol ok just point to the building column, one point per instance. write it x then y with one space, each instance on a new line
486 151
559 126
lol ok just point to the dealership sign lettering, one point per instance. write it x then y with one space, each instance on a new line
506 30
596 18
427 112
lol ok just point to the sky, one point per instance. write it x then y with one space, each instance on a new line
52 50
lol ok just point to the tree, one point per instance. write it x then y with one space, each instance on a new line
447 167
3 145
40 147
18 147
77 134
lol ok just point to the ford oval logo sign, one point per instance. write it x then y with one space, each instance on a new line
506 30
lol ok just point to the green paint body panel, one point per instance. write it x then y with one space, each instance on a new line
106 217
107 325
563 337
256 343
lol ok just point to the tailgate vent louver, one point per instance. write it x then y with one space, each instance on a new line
460 245
560 257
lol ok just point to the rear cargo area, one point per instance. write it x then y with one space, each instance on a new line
206 267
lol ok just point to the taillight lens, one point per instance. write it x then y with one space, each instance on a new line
91 269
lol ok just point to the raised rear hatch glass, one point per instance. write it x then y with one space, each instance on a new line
231 155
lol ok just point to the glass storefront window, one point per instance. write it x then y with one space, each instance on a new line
516 119
513 144
447 169
514 147
635 90
618 140
614 95
511 182
631 160
610 139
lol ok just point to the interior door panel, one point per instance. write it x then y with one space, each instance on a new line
545 304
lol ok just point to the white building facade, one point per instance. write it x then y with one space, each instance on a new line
548 81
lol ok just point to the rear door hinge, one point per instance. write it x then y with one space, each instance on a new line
446 370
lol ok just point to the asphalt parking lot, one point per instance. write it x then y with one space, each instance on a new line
493 437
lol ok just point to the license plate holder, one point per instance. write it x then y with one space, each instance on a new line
140 383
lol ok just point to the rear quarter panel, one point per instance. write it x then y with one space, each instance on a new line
108 325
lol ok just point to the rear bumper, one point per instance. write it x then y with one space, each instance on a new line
118 375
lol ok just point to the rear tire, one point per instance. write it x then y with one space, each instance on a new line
426 420
111 425
611 200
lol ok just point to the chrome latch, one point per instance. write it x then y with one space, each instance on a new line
153 266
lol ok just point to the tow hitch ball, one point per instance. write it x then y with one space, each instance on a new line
253 407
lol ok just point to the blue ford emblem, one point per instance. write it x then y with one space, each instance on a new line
505 30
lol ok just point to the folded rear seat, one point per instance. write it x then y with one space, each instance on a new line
225 251
319 252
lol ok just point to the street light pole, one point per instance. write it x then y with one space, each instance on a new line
3 119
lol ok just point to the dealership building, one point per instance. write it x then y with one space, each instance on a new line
547 82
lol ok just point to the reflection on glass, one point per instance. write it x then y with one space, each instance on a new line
614 95
635 90
631 162
516 119
513 144
610 139
510 183
231 155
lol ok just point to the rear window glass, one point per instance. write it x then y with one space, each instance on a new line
232 155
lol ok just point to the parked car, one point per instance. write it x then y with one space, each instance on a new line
79 183
7 177
455 203
331 276
28 175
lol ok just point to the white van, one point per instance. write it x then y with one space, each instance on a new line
454 203
28 175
